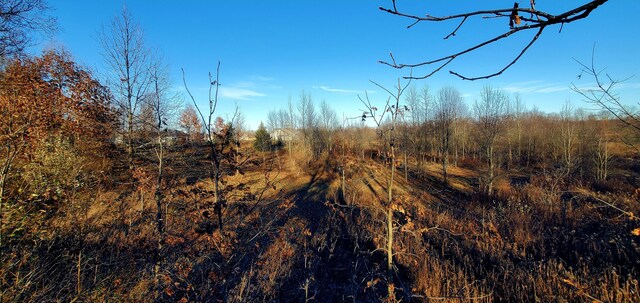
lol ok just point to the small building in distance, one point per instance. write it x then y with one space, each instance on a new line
285 134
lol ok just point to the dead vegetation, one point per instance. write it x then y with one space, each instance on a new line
296 235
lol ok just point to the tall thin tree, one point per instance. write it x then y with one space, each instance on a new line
449 103
214 141
490 113
396 111
127 56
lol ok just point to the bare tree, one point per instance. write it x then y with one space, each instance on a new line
518 110
601 155
217 139
163 106
19 19
519 20
291 124
273 122
309 124
411 133
448 104
460 132
291 114
306 112
328 116
239 131
126 54
427 111
568 136
328 123
412 99
490 113
603 95
146 119
396 111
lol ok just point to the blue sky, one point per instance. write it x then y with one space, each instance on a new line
272 50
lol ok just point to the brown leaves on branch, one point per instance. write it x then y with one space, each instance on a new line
52 94
190 122
50 98
536 20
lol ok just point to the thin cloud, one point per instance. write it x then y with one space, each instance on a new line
239 93
539 86
257 82
243 84
340 90
623 85
263 78
248 89
536 86
553 89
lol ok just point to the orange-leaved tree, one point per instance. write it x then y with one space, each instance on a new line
190 122
56 122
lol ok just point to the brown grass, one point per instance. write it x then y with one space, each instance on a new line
296 237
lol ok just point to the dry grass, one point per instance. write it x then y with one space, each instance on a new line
293 235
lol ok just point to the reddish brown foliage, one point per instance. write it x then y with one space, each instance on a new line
52 98
190 122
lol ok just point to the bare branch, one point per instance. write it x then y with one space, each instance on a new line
19 20
537 20
184 81
603 95
453 33
533 40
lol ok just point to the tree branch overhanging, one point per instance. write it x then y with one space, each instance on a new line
602 93
537 19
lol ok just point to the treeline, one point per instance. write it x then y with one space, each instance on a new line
304 122
494 133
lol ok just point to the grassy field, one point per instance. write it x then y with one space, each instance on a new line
293 232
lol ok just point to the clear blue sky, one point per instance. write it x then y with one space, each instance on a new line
272 50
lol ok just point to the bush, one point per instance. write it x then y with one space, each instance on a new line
469 163
612 186
55 168
278 145
263 139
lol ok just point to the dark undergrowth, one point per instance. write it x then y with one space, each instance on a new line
298 235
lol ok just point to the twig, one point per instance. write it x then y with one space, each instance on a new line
547 19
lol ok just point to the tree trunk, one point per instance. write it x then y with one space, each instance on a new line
519 133
158 193
159 217
217 202
406 166
445 157
236 157
491 169
510 147
130 140
3 177
342 186
390 288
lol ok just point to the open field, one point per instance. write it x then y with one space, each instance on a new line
291 234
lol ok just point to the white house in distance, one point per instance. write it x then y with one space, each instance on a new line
285 134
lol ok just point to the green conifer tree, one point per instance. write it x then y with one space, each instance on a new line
263 139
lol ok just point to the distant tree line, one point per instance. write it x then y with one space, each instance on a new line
495 133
